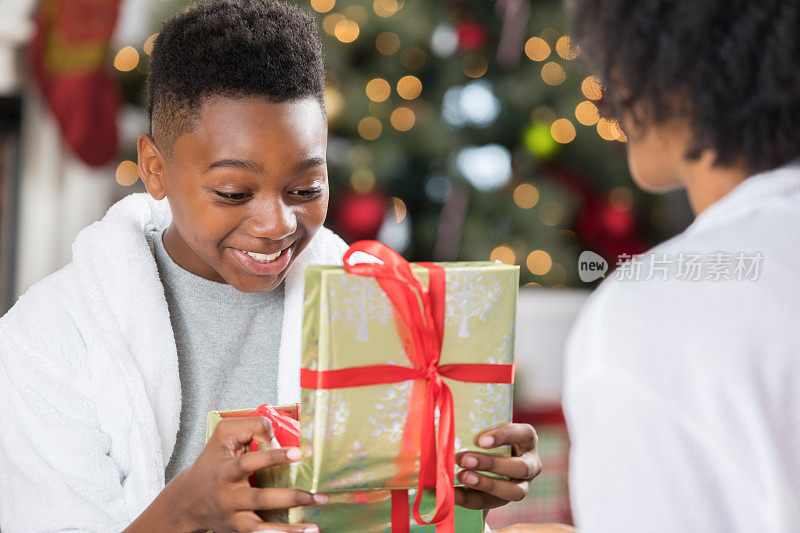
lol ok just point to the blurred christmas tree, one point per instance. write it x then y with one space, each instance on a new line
467 131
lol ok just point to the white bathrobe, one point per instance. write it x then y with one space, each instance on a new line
90 395
683 396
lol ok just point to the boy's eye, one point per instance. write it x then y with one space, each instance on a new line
232 196
306 193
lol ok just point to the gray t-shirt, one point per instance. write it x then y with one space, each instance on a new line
227 343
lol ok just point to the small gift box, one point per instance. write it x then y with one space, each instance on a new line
375 511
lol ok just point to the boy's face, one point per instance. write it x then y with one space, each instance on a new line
269 159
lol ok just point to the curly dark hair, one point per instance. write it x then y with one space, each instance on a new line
232 48
731 67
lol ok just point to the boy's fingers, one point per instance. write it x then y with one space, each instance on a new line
514 490
527 466
249 522
473 499
294 528
522 436
233 433
242 466
249 498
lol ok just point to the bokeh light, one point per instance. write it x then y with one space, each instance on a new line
334 102
357 13
322 6
608 129
387 43
551 213
591 88
386 8
126 59
553 73
413 58
330 22
526 195
621 197
403 119
504 254
486 167
346 30
550 34
409 87
378 90
362 180
565 49
538 140
148 44
474 65
370 128
539 262
537 49
473 103
562 131
557 275
586 113
444 40
127 173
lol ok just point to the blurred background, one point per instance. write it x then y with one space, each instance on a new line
459 130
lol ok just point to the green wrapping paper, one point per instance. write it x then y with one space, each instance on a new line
367 437
363 512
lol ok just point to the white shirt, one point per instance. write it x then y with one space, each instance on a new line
683 397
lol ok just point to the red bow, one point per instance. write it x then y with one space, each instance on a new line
420 314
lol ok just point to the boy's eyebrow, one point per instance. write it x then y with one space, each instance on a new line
255 166
243 164
310 163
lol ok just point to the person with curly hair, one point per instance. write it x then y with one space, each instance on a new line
682 372
187 299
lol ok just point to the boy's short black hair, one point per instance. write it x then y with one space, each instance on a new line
232 48
732 67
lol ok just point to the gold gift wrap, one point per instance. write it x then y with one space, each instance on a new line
368 437
354 512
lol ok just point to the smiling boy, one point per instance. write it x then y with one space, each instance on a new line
189 298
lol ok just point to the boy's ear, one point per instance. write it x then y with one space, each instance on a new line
152 166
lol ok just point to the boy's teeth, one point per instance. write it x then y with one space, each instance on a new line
264 258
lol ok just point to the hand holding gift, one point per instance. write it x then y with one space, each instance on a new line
214 493
484 492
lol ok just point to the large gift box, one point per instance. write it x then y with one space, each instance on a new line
362 437
354 512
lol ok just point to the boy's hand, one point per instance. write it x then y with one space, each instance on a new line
483 492
214 492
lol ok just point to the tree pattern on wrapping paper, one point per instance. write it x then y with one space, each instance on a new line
492 405
358 300
471 293
391 410
337 415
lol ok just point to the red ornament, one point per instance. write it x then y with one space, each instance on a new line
359 216
471 36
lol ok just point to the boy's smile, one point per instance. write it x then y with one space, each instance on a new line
248 188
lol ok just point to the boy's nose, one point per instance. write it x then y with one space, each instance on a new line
273 221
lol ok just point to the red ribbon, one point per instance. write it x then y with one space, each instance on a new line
420 320
285 429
